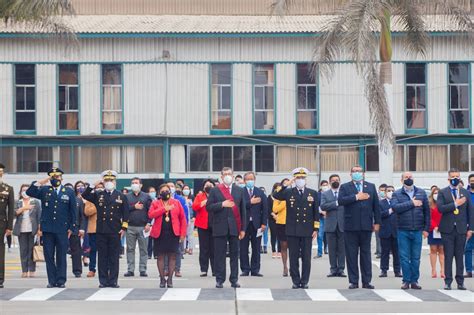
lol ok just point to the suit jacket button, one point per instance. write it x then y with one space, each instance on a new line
304 221
297 220
110 219
103 219
54 218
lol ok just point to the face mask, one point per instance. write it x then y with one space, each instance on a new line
81 189
242 185
382 194
250 184
179 192
408 182
357 176
471 185
335 185
389 194
152 194
55 182
435 197
186 192
172 190
324 188
300 182
454 181
99 189
24 195
109 186
135 187
228 180
165 195
207 189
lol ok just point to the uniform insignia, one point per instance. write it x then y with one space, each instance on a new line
310 199
64 197
64 189
5 192
119 200
51 189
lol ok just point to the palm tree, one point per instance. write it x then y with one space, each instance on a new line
45 15
352 32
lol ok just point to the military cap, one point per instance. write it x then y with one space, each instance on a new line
300 172
55 171
109 174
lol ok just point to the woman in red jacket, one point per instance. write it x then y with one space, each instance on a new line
206 242
169 229
434 238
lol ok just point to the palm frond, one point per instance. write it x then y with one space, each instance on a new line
280 7
410 18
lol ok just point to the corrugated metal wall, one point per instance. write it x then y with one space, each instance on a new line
472 97
144 99
242 99
90 99
177 159
46 108
6 99
286 98
398 103
437 98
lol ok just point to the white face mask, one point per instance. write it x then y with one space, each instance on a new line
324 188
172 190
228 180
300 182
135 187
435 197
389 194
186 192
109 186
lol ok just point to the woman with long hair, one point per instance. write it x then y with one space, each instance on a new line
436 246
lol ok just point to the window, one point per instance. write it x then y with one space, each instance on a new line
308 156
336 158
221 96
25 98
459 102
459 157
7 158
264 158
307 100
399 158
34 159
428 158
286 158
153 160
221 157
199 157
243 158
65 158
68 97
415 89
112 97
372 158
264 107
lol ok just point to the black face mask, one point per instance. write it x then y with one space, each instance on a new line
207 189
408 182
55 182
165 195
471 186
335 185
455 181
179 192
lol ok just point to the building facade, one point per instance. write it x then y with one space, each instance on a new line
171 94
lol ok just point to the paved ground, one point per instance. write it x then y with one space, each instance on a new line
192 294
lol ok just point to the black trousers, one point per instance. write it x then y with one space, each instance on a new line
55 252
453 244
3 227
250 238
220 245
206 249
337 252
296 246
108 252
389 244
275 243
358 242
76 254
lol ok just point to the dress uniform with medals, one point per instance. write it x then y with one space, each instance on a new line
302 220
58 218
112 218
7 205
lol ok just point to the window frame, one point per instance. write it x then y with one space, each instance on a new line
67 86
415 85
469 86
102 85
264 131
24 86
317 99
211 85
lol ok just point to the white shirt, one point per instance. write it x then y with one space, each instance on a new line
26 225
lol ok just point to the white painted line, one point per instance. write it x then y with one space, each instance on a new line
462 296
254 295
184 294
396 295
325 295
109 294
40 294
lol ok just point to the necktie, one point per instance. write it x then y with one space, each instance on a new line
335 195
250 192
358 186
454 192
301 192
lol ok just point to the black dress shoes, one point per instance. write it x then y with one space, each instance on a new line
235 285
342 275
257 274
368 286
461 287
332 275
415 286
143 274
398 274
49 286
101 286
114 286
295 286
405 286
447 287
219 285
245 274
129 274
61 286
383 274
303 286
353 286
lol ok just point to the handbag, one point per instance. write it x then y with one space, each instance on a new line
38 254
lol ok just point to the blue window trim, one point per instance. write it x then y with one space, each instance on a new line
306 132
275 101
469 80
122 69
24 132
221 131
64 131
415 131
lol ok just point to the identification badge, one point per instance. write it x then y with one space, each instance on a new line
119 200
310 198
64 197
46 204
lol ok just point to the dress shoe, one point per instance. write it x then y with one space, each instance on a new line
91 274
143 274
114 286
398 275
204 274
383 274
368 286
1 286
468 275
213 274
295 286
415 286
102 286
178 274
257 274
129 274
332 275
447 287
245 274
169 283
317 256
49 286
405 286
461 287
162 282
219 285
61 286
235 285
353 286
303 286
77 275
342 274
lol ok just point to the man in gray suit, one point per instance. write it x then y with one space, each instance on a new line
334 227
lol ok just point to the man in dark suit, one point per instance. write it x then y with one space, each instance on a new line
302 225
361 216
257 218
226 203
388 235
334 227
7 207
457 224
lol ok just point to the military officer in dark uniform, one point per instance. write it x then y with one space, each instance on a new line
112 222
302 224
7 204
57 223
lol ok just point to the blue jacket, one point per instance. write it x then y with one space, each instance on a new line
258 212
359 215
183 203
389 224
409 217
59 211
